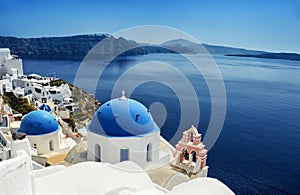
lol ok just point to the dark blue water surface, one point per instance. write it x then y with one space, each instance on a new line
258 150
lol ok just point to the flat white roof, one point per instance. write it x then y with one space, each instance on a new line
91 178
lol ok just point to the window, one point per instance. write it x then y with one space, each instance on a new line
37 90
3 121
34 146
53 92
124 154
51 145
149 152
3 142
97 153
44 100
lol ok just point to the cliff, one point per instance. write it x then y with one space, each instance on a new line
76 47
66 48
85 106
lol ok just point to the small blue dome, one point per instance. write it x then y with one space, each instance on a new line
45 107
39 122
122 117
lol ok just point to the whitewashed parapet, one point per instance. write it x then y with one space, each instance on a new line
16 175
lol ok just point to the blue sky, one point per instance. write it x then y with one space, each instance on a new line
271 25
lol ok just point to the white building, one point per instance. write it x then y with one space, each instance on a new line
43 132
14 63
123 129
39 87
4 147
33 87
10 68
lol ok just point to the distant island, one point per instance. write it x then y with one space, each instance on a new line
76 47
283 56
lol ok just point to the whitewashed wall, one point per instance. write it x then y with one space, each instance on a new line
111 146
16 175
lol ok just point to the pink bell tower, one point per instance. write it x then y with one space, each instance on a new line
191 154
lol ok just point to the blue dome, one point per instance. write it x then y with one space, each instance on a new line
45 107
122 117
39 122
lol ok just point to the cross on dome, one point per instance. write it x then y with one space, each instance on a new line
123 97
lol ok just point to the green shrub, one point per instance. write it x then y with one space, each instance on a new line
20 105
57 83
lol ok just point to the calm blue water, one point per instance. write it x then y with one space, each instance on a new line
258 150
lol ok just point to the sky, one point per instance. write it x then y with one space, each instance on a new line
269 25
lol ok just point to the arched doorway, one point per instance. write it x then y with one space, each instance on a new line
97 153
183 155
186 154
149 152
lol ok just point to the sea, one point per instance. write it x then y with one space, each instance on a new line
258 149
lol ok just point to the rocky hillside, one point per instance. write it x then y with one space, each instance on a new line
85 105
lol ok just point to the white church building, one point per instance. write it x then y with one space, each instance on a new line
43 132
123 129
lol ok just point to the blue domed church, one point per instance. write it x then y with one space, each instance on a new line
43 132
123 129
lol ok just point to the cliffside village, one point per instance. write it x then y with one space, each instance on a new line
41 153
